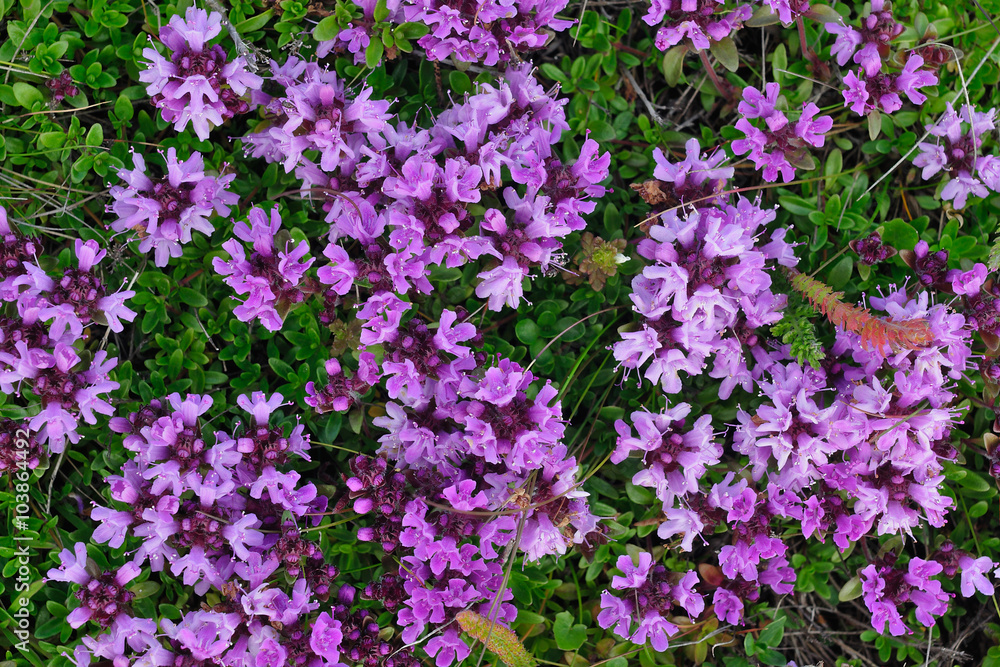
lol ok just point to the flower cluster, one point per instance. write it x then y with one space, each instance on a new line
868 44
475 457
780 146
61 87
269 276
472 32
698 180
652 592
103 597
958 152
887 587
164 212
403 194
196 85
697 23
314 116
39 357
867 93
707 277
222 512
853 448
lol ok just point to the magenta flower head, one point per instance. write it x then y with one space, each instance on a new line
958 152
779 146
267 275
14 251
196 85
103 597
869 44
882 92
695 179
967 283
79 297
650 594
165 211
696 22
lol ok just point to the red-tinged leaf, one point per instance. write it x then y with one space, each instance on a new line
875 332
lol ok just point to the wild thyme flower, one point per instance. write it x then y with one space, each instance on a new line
165 211
651 593
869 44
866 93
699 22
196 85
780 146
871 250
958 151
269 276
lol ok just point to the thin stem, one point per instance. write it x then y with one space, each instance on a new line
724 88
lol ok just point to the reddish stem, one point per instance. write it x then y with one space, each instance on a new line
722 86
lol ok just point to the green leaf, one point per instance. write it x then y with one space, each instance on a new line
554 73
373 54
381 11
192 297
283 370
527 331
834 165
850 590
797 205
81 168
326 29
412 30
123 108
874 124
673 64
26 94
95 137
255 23
460 82
840 274
979 509
175 364
639 494
975 482
569 637
601 131
725 51
771 657
772 634
145 589
899 234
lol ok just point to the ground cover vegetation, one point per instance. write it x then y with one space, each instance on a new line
461 332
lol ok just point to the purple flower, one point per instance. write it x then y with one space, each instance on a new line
869 44
694 179
196 85
502 285
967 283
62 87
959 154
268 276
650 595
165 211
780 146
78 298
103 598
699 22
326 637
881 92
728 606
974 571
635 575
